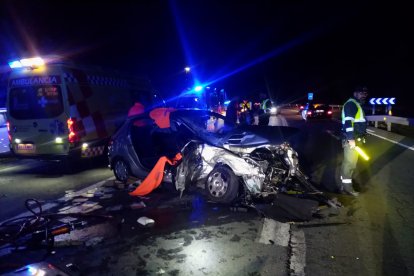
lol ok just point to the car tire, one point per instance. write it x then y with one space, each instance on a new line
222 185
121 170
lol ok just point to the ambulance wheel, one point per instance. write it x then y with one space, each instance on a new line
121 170
222 185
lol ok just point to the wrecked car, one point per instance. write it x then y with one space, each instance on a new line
228 161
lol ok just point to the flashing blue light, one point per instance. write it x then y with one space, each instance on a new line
27 62
198 88
227 102
196 99
15 64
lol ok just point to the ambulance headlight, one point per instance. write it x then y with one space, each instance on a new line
84 146
58 140
17 140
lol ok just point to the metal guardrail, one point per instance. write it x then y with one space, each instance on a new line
388 120
335 106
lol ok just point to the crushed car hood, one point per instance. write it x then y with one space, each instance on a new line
254 136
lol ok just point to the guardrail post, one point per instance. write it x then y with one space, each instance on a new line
389 126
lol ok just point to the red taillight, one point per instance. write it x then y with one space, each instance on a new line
309 112
72 137
329 112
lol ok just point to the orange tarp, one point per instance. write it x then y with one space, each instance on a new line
154 178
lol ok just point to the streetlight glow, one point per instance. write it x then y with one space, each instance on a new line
187 69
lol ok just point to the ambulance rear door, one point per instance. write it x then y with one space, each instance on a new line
36 114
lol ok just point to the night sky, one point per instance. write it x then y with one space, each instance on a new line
245 47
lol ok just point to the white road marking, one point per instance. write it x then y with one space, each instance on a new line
330 132
21 164
278 120
298 253
372 132
274 232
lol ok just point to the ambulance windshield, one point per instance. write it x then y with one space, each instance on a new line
35 102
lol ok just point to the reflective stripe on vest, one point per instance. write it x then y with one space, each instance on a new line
359 116
264 104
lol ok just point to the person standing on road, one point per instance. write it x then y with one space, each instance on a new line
354 128
232 111
264 112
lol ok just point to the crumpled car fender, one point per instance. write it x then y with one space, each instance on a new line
252 175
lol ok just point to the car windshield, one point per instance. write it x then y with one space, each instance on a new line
203 122
190 102
322 106
36 102
317 106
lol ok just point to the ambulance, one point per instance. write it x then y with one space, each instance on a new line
58 110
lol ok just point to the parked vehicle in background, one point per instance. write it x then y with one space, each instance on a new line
3 117
60 110
317 111
300 108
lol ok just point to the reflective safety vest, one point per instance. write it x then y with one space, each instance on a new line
358 122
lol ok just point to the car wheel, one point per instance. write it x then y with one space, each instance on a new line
222 185
121 170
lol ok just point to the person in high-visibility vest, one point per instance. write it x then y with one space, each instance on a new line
264 114
354 127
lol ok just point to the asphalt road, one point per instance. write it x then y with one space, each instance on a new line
374 233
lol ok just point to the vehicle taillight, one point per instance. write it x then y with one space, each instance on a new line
72 136
8 130
329 112
309 112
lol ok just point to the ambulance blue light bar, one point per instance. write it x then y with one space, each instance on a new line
15 64
198 88
27 62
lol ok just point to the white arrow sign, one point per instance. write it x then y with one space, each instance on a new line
382 101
